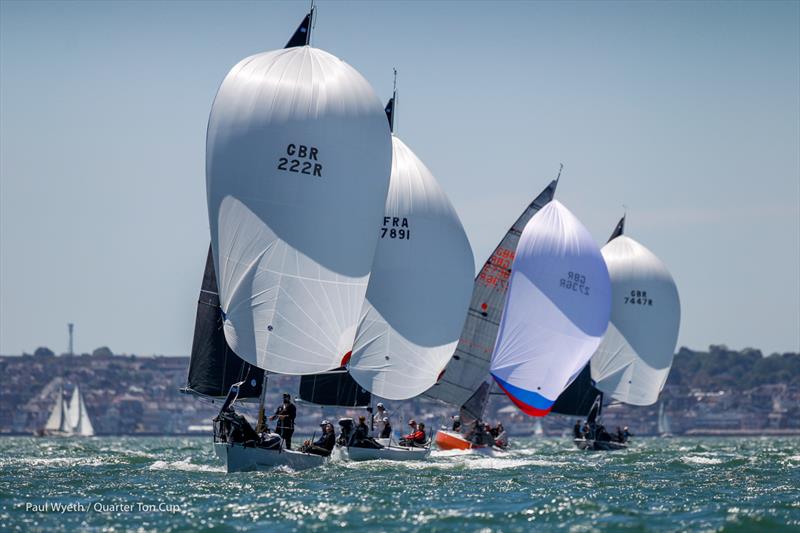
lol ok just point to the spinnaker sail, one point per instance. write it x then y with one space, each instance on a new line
298 158
419 288
633 361
469 366
556 312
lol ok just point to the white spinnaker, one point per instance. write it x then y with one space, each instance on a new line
298 158
419 289
556 312
632 363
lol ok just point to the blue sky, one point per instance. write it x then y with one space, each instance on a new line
688 113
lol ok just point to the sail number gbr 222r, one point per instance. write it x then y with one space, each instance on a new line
301 159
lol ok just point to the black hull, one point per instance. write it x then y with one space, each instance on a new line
599 446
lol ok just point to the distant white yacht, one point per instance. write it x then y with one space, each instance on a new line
69 419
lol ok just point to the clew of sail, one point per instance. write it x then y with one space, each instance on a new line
419 288
556 312
298 159
468 367
632 363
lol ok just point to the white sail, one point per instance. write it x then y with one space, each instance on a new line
73 417
633 361
84 426
556 312
56 420
419 289
298 158
538 430
664 427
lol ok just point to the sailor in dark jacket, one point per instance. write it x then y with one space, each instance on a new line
324 444
361 438
285 413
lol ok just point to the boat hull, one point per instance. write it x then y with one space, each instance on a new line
391 453
238 458
599 446
450 440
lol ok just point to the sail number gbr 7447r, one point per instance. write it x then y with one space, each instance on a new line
301 159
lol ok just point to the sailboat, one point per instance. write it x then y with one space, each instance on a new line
418 292
298 158
664 426
538 430
556 312
463 383
632 363
69 419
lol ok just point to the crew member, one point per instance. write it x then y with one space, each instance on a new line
386 432
361 438
456 423
379 415
417 435
576 430
285 413
501 440
324 444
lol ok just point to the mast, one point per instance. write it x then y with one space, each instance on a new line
261 424
391 105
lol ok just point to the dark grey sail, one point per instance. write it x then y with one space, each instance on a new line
302 35
389 109
469 366
619 230
336 388
214 367
578 397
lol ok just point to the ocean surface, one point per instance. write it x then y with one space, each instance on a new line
176 484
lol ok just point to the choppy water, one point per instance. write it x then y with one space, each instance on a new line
661 485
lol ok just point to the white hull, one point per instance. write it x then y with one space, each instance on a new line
391 453
238 458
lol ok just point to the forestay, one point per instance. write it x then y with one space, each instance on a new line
469 366
420 286
556 312
634 359
298 159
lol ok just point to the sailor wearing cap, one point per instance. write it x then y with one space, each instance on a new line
377 419
285 413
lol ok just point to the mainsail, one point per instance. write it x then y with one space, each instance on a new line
419 288
213 366
632 363
556 312
336 388
298 158
469 366
57 421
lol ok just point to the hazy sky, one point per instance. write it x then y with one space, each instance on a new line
688 113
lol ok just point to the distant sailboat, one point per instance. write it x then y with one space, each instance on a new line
538 430
69 418
298 159
664 426
632 363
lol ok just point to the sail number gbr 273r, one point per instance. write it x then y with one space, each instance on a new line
301 159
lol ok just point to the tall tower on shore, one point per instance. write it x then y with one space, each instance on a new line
70 327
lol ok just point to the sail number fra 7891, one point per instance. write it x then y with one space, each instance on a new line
303 160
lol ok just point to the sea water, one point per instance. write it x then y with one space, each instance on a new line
177 484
